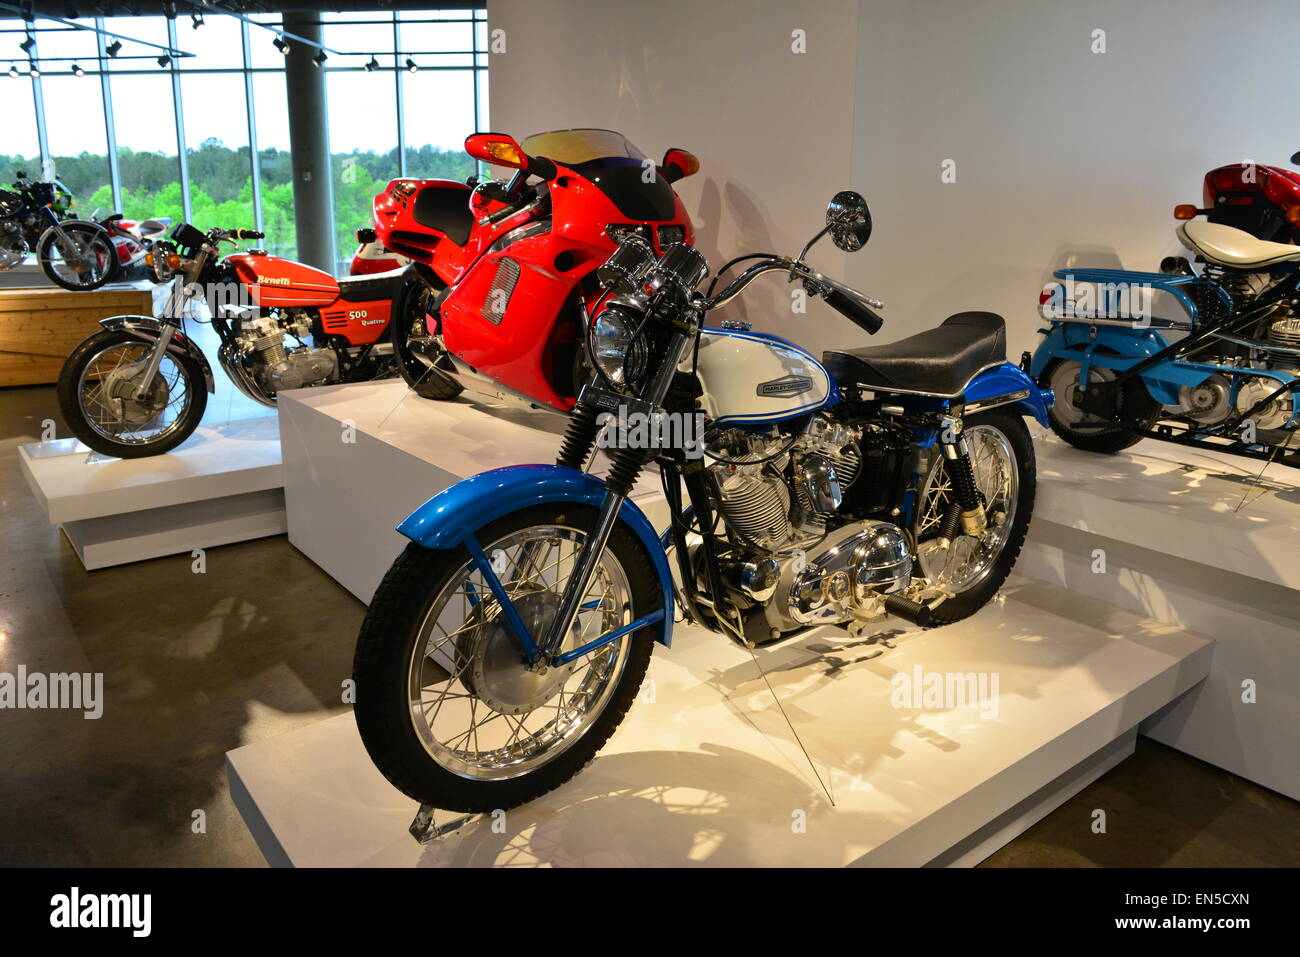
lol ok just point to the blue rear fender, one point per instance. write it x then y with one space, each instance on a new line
1117 347
1005 379
455 515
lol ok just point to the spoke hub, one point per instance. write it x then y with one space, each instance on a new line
499 675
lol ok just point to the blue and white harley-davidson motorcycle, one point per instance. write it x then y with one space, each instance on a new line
1208 359
509 639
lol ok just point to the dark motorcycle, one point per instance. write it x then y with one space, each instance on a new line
34 216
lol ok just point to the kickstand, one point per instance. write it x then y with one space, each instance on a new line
425 830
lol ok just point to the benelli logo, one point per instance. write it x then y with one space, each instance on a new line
786 385
274 280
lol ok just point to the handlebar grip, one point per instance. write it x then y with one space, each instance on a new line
246 234
855 309
503 213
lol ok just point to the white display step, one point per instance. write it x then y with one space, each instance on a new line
1196 539
359 458
705 771
222 485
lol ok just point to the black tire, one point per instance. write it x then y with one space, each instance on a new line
965 603
410 305
95 236
1102 438
71 406
387 643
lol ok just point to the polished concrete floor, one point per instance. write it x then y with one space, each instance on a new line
196 664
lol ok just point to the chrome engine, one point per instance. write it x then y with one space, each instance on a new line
775 495
261 342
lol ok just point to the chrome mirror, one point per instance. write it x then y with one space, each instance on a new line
849 220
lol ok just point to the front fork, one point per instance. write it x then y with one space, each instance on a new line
625 467
172 313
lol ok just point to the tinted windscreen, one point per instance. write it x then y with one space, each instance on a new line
611 162
579 147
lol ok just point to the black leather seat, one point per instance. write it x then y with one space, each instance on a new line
938 361
372 288
445 208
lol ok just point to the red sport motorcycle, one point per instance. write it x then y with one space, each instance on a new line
139 386
502 287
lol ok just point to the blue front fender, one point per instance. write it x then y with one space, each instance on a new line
457 513
1005 379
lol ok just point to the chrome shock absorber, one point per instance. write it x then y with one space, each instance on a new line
965 512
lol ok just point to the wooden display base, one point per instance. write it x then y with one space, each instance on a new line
40 326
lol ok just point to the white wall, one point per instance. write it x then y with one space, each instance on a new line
1062 155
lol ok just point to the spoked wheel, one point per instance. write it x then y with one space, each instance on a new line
973 568
447 706
1084 430
99 394
77 256
413 328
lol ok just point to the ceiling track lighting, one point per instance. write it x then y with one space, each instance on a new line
412 66
196 19
164 61
77 70
114 48
373 65
26 45
281 45
33 70
13 71
319 59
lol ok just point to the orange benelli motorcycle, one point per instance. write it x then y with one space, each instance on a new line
502 286
140 385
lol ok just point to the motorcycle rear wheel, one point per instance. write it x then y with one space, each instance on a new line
410 308
118 425
93 244
419 682
1002 457
1083 430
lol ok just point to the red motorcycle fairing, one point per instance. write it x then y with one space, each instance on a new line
511 314
1262 200
511 311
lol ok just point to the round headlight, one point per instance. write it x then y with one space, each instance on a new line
618 358
164 259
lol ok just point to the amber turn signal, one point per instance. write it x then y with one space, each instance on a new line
1293 215
1185 211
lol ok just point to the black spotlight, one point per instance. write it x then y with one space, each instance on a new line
13 71
26 45
164 61
196 19
77 70
114 48
372 66
320 58
33 70
281 45
412 66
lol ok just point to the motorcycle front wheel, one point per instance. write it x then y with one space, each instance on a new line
445 702
411 318
98 395
973 568
77 256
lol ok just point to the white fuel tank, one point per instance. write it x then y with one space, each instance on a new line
750 378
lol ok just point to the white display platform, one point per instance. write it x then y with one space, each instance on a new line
704 771
1179 545
359 458
222 485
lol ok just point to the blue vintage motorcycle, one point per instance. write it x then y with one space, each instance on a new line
1209 359
509 639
